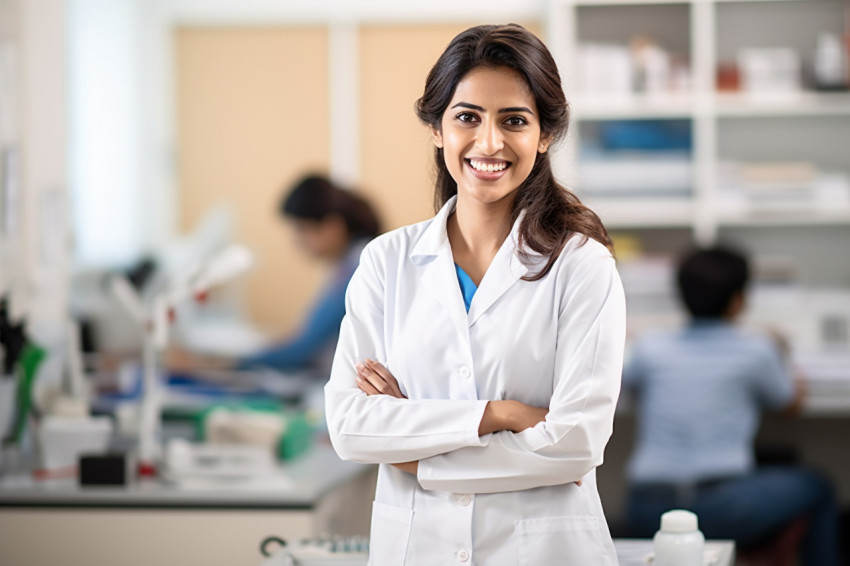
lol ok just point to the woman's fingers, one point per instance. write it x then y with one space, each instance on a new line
384 374
366 387
370 382
373 383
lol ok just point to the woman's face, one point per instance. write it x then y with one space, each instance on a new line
490 134
323 239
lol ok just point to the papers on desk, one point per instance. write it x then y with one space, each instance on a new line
827 369
827 375
214 466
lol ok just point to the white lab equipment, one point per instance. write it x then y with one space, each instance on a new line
830 66
219 464
679 542
70 395
62 440
319 551
153 318
770 71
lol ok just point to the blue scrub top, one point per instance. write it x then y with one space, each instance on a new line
467 287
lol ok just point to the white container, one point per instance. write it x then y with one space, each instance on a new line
679 542
62 440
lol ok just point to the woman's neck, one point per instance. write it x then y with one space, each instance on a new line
476 232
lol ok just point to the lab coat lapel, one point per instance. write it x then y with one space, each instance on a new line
434 254
504 271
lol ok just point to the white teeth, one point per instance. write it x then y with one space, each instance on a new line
488 167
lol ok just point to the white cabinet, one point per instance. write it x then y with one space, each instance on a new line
740 141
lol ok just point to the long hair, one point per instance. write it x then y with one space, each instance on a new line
314 197
553 214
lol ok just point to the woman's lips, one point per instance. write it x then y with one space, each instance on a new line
487 169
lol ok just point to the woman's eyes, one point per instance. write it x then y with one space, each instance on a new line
511 121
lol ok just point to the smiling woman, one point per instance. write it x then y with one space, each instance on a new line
490 135
481 351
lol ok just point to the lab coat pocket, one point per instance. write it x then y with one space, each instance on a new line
559 541
389 535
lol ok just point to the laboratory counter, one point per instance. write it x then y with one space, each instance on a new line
215 524
301 483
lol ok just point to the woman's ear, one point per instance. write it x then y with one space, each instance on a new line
543 145
437 136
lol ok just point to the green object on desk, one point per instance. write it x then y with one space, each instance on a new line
296 439
28 364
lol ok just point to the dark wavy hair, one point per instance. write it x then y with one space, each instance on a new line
553 214
314 197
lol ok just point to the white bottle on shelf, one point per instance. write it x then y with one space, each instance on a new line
679 542
830 65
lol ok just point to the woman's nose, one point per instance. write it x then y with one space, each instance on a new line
489 139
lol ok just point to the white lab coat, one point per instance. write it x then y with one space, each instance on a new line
502 499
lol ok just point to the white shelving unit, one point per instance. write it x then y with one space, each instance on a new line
705 31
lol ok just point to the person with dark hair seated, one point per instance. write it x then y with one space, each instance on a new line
699 392
332 224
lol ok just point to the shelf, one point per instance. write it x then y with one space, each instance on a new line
805 126
643 212
743 105
786 215
600 107
797 104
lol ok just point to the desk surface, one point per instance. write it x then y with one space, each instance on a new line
300 485
630 552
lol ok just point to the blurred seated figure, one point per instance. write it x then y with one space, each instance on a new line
331 224
699 393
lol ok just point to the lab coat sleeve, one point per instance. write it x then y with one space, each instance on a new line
588 367
380 428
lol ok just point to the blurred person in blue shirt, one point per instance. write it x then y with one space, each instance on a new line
699 394
331 224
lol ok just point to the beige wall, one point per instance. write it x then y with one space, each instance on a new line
252 111
396 149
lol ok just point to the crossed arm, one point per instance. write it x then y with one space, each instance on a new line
447 442
373 378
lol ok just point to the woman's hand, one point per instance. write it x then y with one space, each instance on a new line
514 416
409 467
510 415
375 379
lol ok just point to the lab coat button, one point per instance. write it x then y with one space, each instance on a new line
464 372
464 500
463 555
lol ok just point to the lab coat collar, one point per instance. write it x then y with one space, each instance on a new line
504 271
435 237
440 277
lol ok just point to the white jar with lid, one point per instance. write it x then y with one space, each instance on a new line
679 542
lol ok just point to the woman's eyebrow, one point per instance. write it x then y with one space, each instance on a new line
516 109
470 106
501 110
